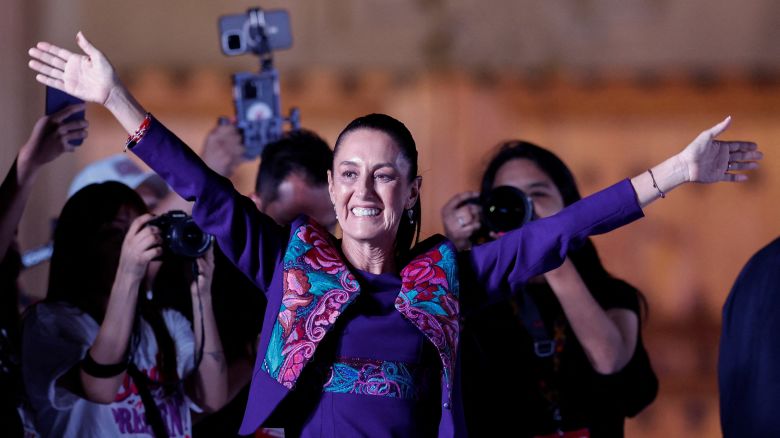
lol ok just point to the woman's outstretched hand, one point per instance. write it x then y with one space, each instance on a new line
90 76
708 160
705 160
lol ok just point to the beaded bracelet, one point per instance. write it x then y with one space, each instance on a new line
139 133
660 192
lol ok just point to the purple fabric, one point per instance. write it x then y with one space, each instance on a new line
371 327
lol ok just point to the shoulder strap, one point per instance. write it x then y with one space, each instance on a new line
544 345
153 415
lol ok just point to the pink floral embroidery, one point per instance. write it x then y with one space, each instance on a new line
425 287
306 315
323 256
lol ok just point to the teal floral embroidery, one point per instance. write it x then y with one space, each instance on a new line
377 377
317 289
429 299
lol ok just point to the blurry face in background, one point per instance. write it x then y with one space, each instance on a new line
149 194
527 176
107 247
296 196
370 187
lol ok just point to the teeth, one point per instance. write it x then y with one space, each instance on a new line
357 211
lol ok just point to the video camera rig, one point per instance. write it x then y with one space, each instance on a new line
256 96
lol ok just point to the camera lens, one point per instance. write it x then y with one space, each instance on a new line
234 42
189 240
506 208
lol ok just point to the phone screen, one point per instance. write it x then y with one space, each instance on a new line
57 100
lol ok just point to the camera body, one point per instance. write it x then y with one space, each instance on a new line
256 96
181 236
504 208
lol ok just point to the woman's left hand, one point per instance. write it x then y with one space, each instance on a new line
708 160
202 285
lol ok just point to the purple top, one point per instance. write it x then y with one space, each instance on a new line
372 327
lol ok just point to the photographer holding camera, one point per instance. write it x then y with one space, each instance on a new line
100 357
572 374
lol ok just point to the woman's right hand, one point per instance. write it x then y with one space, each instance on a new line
90 77
50 137
461 219
141 245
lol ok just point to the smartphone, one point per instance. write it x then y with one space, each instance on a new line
57 100
238 33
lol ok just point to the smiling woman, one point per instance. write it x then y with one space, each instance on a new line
375 190
360 336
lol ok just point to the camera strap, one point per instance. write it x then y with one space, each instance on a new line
546 348
544 344
153 414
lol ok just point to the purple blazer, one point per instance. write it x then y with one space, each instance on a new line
300 312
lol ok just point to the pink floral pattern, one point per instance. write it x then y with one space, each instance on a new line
429 300
309 307
318 288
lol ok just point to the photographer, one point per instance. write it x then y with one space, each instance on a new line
100 357
48 140
592 318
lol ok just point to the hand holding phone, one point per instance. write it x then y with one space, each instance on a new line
57 100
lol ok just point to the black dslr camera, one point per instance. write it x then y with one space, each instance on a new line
504 209
181 236
256 95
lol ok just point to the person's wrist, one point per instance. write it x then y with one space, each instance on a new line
130 273
124 107
682 168
26 167
203 291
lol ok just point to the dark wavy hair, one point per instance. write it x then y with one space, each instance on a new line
86 257
408 233
585 258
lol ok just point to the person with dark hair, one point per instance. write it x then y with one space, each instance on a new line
50 137
360 335
99 357
589 319
293 179
749 356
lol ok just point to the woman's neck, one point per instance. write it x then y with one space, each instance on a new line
369 257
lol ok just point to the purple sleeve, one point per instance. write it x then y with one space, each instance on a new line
250 239
542 245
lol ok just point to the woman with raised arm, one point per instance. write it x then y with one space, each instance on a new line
360 335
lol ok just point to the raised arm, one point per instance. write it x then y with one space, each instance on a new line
542 245
140 246
250 239
211 378
49 138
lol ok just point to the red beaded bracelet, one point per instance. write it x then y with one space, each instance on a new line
139 133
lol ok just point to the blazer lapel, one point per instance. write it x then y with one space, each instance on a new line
429 300
317 289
